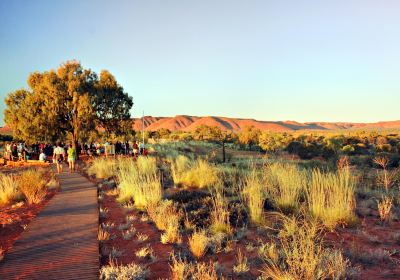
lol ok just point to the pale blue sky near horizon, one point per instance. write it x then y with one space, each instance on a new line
267 60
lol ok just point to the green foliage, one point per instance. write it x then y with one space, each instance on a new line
70 100
348 149
272 142
249 136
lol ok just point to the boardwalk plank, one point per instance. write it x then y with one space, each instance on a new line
61 242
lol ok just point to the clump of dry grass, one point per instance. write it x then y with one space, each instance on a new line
330 197
145 252
384 178
139 181
102 168
102 235
183 270
117 272
141 237
220 213
301 254
253 194
128 234
8 189
285 184
384 208
197 173
179 167
241 265
167 218
198 243
103 212
32 185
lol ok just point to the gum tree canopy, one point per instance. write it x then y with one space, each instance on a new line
70 101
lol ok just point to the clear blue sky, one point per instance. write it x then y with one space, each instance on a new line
269 60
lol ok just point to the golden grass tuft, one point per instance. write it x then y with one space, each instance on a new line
253 194
139 181
32 185
384 208
102 168
9 191
330 197
190 173
285 184
302 255
220 214
198 243
183 270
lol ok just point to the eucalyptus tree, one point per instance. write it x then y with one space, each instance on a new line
70 101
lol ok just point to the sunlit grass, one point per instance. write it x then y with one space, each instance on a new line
330 197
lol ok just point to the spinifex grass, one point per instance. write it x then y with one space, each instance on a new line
330 197
103 168
140 182
302 254
285 183
253 193
32 185
190 173
8 189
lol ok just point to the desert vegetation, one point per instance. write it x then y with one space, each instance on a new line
274 217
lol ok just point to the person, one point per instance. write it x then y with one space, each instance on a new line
58 156
8 151
135 149
42 156
141 148
71 158
14 151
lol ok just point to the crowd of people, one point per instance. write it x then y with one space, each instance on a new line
46 152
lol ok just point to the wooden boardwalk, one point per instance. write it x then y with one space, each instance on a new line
61 242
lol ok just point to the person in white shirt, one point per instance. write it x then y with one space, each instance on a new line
42 156
58 155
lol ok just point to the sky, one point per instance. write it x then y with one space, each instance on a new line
333 60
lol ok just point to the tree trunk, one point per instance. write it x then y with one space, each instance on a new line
223 152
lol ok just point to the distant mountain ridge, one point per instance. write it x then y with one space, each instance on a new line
190 123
